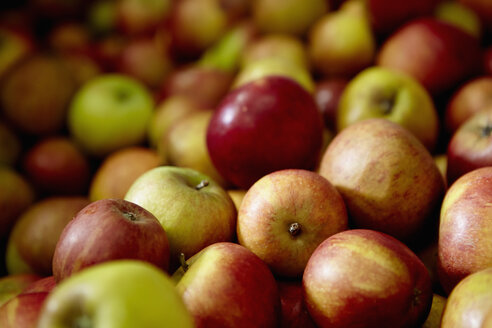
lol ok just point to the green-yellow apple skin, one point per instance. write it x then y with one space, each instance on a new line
287 16
109 112
341 43
116 294
286 214
459 14
465 236
194 210
365 278
435 314
380 92
226 285
12 285
388 179
470 302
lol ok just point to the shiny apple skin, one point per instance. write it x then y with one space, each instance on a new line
263 126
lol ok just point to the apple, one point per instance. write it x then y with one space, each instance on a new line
192 208
327 95
470 146
33 239
12 285
291 17
464 237
45 284
470 97
120 293
10 145
226 285
269 124
102 17
69 36
108 113
366 278
137 17
462 16
56 165
184 145
384 93
16 195
286 214
387 15
470 302
341 43
14 47
387 178
483 9
108 230
23 310
107 50
293 311
437 308
119 169
438 54
44 110
428 254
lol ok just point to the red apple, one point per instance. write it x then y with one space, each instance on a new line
286 214
471 97
465 237
226 285
22 311
438 54
327 96
14 284
470 147
56 165
106 230
365 278
293 311
45 284
266 125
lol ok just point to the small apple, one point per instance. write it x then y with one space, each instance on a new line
327 95
286 214
435 314
470 302
108 230
110 112
470 147
226 285
69 37
365 278
465 240
119 169
387 178
294 313
193 209
381 92
34 236
266 125
116 294
462 16
137 17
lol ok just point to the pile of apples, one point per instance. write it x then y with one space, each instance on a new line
245 163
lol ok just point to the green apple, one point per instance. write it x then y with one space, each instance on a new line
116 294
110 112
194 210
381 92
435 314
459 14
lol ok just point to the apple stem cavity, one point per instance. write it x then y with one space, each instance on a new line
83 321
487 130
122 95
182 262
202 184
294 229
130 216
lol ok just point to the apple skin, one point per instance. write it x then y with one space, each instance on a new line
12 285
470 302
135 17
483 9
108 113
294 313
114 298
274 123
435 315
461 15
23 310
56 165
193 209
15 46
107 230
381 92
33 239
464 237
226 285
470 147
118 170
387 178
327 95
470 97
366 278
438 54
286 214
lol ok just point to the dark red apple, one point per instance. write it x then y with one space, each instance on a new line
266 125
293 311
438 54
327 96
110 229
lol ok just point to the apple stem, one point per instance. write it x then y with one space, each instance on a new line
130 216
182 262
202 184
294 229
